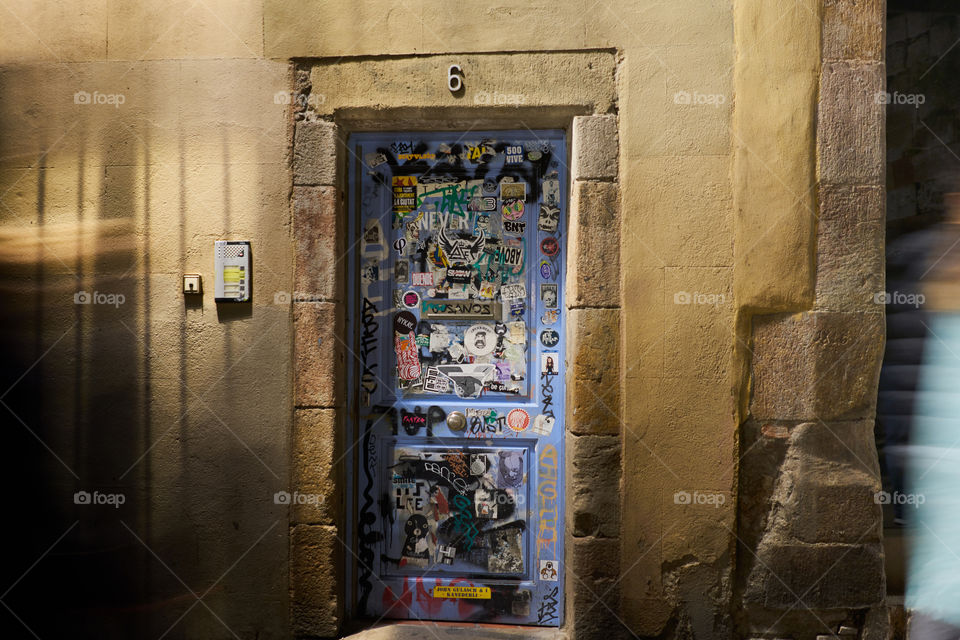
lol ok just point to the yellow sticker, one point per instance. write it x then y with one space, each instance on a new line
475 593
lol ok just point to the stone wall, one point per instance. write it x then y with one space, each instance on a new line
810 556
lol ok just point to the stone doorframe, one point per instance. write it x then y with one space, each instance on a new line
573 91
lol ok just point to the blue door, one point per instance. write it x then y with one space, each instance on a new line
457 317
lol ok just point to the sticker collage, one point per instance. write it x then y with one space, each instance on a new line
460 246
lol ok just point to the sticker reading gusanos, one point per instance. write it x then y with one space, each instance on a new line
475 593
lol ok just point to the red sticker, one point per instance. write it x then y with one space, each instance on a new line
518 419
550 247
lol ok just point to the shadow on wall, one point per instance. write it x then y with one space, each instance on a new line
143 448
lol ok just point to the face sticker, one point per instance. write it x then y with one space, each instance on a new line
512 209
510 464
372 234
518 420
548 295
543 425
549 363
480 339
422 279
550 247
548 570
401 271
411 299
549 338
415 546
485 503
549 218
551 191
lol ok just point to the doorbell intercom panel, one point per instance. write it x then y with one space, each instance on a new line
232 271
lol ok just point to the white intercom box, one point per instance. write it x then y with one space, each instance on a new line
232 271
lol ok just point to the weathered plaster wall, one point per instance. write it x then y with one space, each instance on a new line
183 408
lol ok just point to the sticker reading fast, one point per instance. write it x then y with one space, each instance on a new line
475 593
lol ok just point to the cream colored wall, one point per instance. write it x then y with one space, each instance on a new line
184 408
713 202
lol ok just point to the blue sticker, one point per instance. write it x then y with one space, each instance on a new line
546 272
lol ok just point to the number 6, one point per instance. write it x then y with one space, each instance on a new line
454 82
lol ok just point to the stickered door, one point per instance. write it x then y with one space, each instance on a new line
457 283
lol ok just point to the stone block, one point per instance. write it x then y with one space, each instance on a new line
821 576
593 267
853 30
315 153
318 354
850 248
315 558
825 508
643 322
850 123
593 380
816 366
315 472
593 507
673 220
699 333
595 148
593 588
320 264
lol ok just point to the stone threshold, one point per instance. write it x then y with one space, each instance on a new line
455 630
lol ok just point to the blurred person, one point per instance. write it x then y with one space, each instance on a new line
933 473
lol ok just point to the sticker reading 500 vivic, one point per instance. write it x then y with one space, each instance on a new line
456 319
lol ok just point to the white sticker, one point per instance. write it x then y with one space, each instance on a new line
512 291
543 425
480 339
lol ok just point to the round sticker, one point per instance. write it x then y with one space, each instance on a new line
550 247
546 271
549 337
533 156
512 209
404 322
480 339
518 419
411 299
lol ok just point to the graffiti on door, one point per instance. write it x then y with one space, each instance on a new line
457 376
